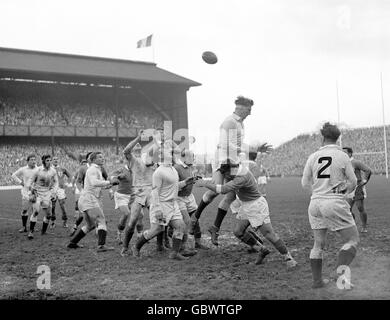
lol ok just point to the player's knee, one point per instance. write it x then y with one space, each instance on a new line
239 233
316 253
102 226
208 196
87 229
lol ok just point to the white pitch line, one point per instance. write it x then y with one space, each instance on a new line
9 219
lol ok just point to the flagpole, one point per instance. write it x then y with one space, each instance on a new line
338 111
153 41
384 129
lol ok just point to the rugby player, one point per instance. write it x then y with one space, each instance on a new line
262 180
164 209
329 175
80 185
253 211
42 184
230 146
60 194
143 166
90 203
186 199
363 174
22 176
123 198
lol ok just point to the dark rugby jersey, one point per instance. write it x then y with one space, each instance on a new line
359 167
184 173
244 185
125 185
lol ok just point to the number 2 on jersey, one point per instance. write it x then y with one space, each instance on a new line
328 161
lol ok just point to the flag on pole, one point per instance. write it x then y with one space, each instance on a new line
146 42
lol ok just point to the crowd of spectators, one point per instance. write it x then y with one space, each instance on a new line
43 112
290 158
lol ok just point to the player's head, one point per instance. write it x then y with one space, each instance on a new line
158 135
243 106
348 151
31 160
55 161
97 158
229 169
188 157
88 157
330 132
46 160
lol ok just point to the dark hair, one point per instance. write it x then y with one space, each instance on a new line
94 155
30 156
330 131
349 149
45 157
88 154
240 100
225 167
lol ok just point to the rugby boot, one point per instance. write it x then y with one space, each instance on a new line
187 252
214 234
262 254
30 235
125 252
72 245
22 230
135 251
177 256
199 245
104 248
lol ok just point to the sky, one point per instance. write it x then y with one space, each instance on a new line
287 55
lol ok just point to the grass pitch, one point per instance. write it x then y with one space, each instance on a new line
224 272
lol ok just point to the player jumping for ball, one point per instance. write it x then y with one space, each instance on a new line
230 146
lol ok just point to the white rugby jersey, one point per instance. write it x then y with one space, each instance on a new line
166 180
24 174
325 169
94 181
231 137
43 179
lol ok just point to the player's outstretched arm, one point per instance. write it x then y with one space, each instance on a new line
127 150
307 177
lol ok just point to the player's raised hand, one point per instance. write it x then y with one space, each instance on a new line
265 148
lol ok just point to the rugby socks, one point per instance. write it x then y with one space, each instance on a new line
78 236
363 218
78 221
160 240
346 255
176 244
248 239
32 225
281 247
166 239
219 218
316 270
201 207
102 234
140 242
128 235
45 224
24 219
53 210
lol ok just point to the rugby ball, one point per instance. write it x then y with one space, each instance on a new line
209 57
